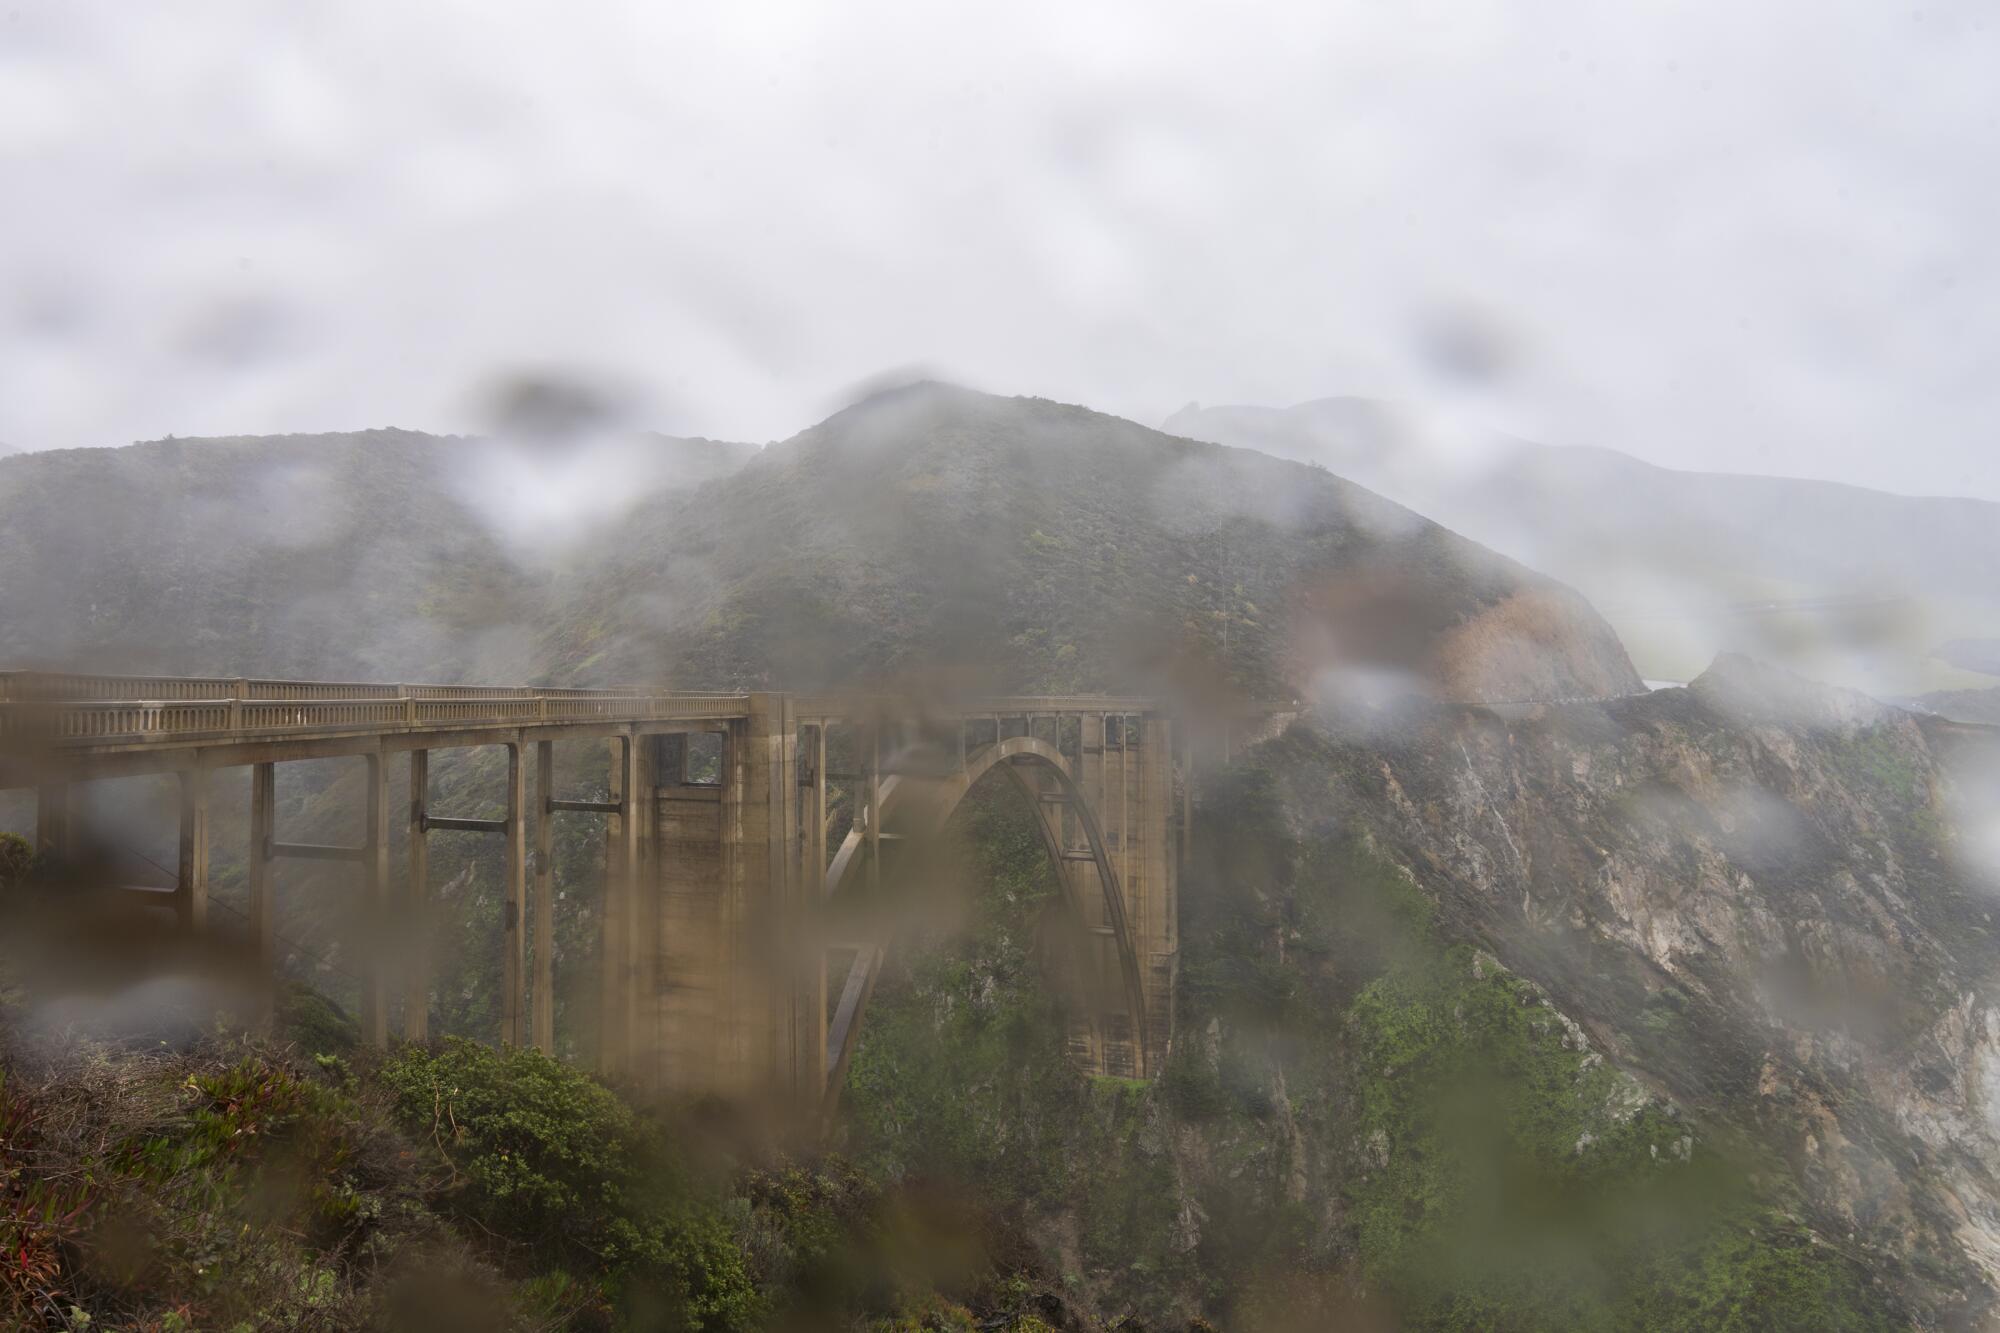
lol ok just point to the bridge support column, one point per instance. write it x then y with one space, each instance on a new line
809 1023
191 883
1103 1046
52 819
417 977
542 1020
648 976
627 956
776 1047
263 830
1123 1054
513 962
741 998
375 903
1153 883
612 974
871 803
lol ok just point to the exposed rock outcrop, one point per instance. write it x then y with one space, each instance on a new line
1766 897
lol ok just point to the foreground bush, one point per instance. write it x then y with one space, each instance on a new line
549 1158
217 1188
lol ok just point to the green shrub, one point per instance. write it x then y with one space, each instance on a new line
1190 1085
546 1156
1772 1275
317 1024
560 1299
686 1272
17 858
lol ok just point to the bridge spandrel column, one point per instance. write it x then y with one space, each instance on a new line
1154 883
52 806
1108 1047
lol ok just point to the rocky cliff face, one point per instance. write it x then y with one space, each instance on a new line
1768 900
1674 1013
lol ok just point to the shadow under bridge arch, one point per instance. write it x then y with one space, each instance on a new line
917 808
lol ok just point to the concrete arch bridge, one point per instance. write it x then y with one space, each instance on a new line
764 849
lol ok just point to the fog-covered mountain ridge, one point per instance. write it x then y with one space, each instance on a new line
927 531
375 554
1023 543
1837 581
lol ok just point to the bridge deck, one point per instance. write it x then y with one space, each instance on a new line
114 723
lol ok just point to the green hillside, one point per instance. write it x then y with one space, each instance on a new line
959 540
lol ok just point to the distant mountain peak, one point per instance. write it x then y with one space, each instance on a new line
1849 584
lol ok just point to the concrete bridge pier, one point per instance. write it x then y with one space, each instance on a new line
629 964
732 987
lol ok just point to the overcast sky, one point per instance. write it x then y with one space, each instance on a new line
1748 236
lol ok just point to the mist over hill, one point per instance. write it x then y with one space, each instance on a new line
1837 581
973 541
379 554
930 533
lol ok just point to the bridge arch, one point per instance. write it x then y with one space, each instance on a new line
1041 774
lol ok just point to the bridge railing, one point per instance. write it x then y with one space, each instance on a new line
817 706
62 717
53 686
49 686
59 708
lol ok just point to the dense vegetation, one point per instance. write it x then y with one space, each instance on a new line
239 1183
1360 1116
1367 1120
